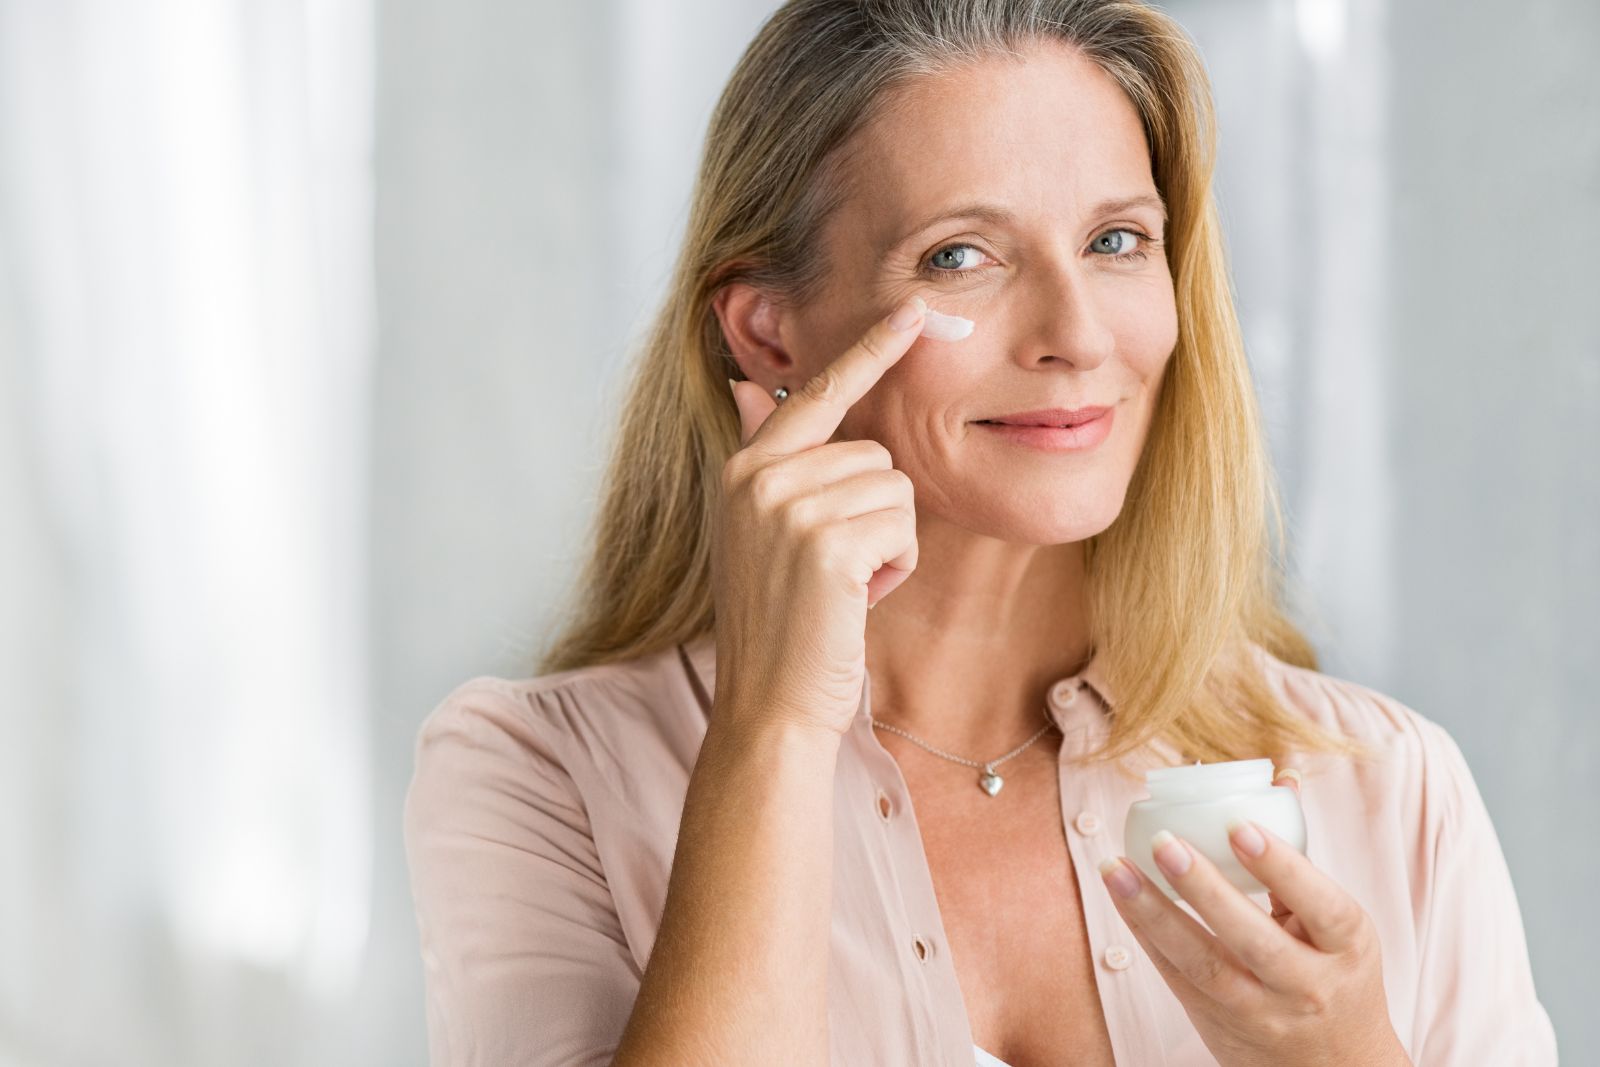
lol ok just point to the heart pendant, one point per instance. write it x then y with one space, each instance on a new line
990 782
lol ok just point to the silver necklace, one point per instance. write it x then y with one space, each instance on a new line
988 781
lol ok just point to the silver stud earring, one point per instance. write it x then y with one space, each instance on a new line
780 392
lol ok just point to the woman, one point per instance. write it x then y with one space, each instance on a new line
734 820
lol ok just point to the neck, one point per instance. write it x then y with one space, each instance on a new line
963 652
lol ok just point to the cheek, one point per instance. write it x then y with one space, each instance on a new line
938 372
921 394
1148 332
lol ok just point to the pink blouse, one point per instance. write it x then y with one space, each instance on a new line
542 816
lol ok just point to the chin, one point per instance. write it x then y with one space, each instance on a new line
1049 519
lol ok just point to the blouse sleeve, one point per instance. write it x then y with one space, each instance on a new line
1476 1002
523 954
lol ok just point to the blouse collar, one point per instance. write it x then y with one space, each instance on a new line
1063 699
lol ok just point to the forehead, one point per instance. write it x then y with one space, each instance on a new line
1047 132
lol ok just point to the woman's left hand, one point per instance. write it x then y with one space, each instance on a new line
1300 986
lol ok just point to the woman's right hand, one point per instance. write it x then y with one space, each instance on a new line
810 534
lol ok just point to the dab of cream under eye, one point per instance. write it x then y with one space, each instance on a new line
942 327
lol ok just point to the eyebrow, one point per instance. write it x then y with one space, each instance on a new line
995 214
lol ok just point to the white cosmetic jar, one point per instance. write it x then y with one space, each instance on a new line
1197 801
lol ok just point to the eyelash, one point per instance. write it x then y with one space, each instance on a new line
1146 242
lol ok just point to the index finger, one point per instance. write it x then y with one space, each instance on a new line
813 412
1332 918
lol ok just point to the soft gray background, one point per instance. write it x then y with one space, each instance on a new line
1412 196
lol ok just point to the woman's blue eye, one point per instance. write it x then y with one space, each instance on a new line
956 259
946 261
1111 241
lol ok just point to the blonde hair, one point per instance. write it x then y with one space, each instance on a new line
1185 577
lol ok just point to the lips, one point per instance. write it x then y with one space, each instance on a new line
1052 437
1060 417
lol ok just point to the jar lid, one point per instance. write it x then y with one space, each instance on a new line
1206 778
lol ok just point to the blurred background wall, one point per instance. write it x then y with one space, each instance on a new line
313 318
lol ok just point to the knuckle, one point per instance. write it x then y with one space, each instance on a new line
800 512
872 345
878 452
1210 969
1151 914
1352 923
829 549
768 488
1173 976
1276 1031
1263 949
1311 1004
824 387
1366 927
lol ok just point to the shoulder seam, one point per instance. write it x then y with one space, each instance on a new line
1408 723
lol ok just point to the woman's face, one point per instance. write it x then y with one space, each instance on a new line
1073 308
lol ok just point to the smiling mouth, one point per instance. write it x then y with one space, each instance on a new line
1052 425
1060 417
1070 430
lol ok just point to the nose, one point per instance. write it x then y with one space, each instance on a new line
1065 319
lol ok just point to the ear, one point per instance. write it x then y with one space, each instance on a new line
751 324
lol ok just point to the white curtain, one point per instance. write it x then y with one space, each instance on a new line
185 345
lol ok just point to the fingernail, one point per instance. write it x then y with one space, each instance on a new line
1169 852
1247 837
1288 772
1123 882
906 315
